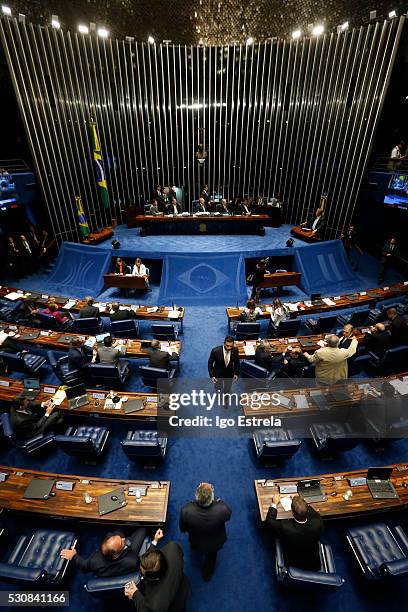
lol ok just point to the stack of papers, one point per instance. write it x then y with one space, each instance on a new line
174 314
293 307
152 309
308 304
401 386
70 304
286 503
321 343
59 397
329 302
90 342
169 348
249 349
14 295
101 307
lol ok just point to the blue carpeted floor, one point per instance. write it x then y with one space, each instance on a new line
244 580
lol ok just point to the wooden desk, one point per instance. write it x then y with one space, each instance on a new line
148 313
135 349
125 281
361 503
71 504
203 224
98 237
305 235
281 279
351 300
95 408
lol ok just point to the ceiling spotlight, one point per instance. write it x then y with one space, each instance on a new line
6 10
55 22
344 26
249 40
150 40
392 14
83 29
102 32
317 30
296 34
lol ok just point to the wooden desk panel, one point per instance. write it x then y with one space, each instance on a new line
281 279
305 235
125 281
98 237
71 504
361 299
135 349
160 219
95 408
361 502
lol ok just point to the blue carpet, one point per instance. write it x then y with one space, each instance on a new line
244 580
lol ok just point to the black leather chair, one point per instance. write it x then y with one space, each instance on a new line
322 325
62 369
31 446
356 318
165 331
247 331
125 329
85 442
36 558
294 576
105 587
285 328
89 326
332 437
380 550
151 375
249 369
46 321
273 445
109 374
23 362
147 447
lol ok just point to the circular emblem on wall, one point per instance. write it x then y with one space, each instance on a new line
202 227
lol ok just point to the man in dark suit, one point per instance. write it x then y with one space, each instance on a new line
299 536
173 208
346 336
223 365
120 314
163 585
222 207
315 224
79 356
159 197
159 358
204 520
293 363
201 206
89 310
377 340
398 328
244 208
264 357
116 556
29 420
206 196
389 253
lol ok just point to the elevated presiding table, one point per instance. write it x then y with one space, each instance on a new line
281 279
202 224
72 505
361 503
125 281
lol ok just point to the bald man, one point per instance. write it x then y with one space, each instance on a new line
331 361
116 556
377 340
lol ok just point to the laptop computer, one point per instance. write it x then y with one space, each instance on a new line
31 389
109 502
311 490
133 406
76 396
379 484
39 488
316 298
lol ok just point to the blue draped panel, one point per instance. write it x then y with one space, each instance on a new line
192 278
79 270
324 268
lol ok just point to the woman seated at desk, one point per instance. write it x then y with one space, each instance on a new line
139 269
278 312
121 266
250 312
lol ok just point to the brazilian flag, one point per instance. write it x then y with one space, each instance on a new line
100 167
83 223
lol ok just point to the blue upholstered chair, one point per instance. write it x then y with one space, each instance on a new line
165 331
322 325
247 331
36 558
151 375
285 328
356 318
31 446
62 369
46 321
380 550
332 437
88 325
147 447
293 576
86 442
23 362
249 369
360 365
110 374
273 445
125 329
395 360
104 587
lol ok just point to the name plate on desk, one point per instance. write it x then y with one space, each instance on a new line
64 485
4 383
50 390
3 476
99 396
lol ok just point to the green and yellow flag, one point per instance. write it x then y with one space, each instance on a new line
100 167
83 223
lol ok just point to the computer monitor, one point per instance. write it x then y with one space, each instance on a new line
75 391
31 383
